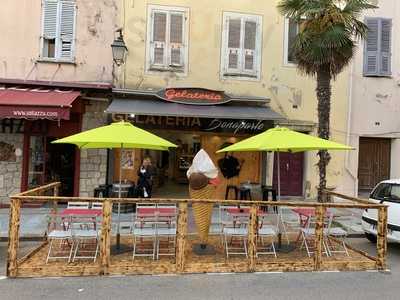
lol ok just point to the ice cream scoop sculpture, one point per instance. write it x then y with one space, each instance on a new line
199 174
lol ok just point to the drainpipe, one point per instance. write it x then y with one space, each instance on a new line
348 132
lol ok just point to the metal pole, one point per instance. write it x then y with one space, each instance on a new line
119 196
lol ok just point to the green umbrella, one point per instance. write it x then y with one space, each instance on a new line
281 139
117 135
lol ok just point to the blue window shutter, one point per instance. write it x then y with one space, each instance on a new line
371 47
385 47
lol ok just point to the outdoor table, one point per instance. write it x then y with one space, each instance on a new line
152 211
82 212
235 211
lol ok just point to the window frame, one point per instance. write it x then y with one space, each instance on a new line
58 44
224 60
151 68
379 73
286 61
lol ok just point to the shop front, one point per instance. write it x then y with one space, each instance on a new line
31 117
193 119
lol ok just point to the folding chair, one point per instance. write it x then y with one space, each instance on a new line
235 235
308 235
144 230
166 232
340 234
97 205
290 223
59 232
266 230
78 205
86 235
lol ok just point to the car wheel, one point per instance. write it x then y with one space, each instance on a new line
370 237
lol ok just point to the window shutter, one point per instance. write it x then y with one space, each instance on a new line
250 34
67 24
176 39
385 49
234 37
159 38
50 19
371 47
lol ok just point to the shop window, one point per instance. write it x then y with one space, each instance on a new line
241 46
58 30
167 39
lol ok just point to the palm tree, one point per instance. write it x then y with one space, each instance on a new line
323 47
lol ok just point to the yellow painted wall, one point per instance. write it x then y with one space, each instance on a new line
281 83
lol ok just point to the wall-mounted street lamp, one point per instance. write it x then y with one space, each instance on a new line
119 49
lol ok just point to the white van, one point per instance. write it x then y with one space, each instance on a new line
387 192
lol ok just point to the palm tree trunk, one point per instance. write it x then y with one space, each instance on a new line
324 109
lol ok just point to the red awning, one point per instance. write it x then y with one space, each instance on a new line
36 103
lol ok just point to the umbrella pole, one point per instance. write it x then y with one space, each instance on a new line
119 203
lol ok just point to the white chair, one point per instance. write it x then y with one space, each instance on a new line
340 235
86 236
308 235
235 232
290 223
266 230
59 232
166 234
144 231
78 205
97 205
225 219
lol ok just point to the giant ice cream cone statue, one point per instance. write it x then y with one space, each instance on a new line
200 173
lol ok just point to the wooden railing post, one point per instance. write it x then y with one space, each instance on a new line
105 241
13 237
319 236
252 236
181 237
381 244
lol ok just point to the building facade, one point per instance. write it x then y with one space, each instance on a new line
374 126
56 74
238 47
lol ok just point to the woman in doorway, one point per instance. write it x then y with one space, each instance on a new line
145 181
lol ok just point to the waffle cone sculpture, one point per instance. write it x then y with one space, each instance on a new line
202 211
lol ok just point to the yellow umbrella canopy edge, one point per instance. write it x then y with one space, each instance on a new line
117 135
281 139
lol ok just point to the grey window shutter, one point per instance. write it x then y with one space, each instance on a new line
67 24
159 37
176 38
250 33
234 37
385 47
371 48
50 8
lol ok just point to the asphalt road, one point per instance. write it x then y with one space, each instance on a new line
318 285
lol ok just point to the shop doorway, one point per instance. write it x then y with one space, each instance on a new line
373 162
291 173
51 162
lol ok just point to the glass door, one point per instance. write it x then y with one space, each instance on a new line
36 170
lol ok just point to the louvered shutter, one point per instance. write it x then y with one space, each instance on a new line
385 47
371 48
176 39
250 35
158 43
50 9
234 39
67 24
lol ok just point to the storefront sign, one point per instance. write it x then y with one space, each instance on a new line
39 127
193 96
197 124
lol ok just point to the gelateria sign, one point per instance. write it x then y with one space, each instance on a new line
193 96
196 124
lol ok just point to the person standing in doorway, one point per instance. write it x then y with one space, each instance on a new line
145 181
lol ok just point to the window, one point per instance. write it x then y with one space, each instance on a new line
377 47
291 30
167 39
58 30
241 46
381 192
